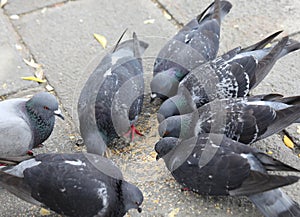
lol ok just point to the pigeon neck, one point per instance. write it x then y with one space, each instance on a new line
41 127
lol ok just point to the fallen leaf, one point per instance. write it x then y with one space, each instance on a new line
167 15
298 129
101 39
270 152
39 73
32 63
174 212
18 47
49 88
14 17
2 3
149 21
44 212
288 142
32 78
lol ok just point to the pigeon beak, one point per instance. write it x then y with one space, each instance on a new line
58 114
157 157
139 209
152 97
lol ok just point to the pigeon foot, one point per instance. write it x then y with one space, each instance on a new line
132 132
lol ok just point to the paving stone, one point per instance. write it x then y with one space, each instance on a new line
11 60
21 7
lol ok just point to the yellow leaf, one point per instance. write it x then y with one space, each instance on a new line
32 63
2 3
101 39
270 152
149 21
174 212
167 15
288 142
44 212
32 78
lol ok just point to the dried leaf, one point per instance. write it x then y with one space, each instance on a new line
32 78
44 212
32 63
298 129
269 152
3 3
39 73
167 15
18 47
174 212
288 142
49 88
149 21
101 39
14 17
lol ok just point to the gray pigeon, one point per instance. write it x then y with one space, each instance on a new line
196 43
25 124
212 164
112 98
242 119
233 74
77 185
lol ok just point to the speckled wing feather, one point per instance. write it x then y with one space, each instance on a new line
80 185
112 97
215 165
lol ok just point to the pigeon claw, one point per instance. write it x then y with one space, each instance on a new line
185 189
132 132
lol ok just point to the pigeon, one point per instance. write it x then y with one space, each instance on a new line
26 123
76 185
245 120
233 74
196 43
212 164
112 98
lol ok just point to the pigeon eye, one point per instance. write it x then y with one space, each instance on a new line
46 108
166 133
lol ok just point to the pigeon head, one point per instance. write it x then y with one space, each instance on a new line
170 127
41 109
164 146
180 104
133 197
165 84
167 109
44 105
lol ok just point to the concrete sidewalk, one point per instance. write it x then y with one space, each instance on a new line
59 35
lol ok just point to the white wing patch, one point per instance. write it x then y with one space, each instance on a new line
107 73
75 163
102 193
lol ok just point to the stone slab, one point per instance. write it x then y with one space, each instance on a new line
22 7
11 60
